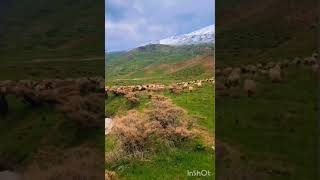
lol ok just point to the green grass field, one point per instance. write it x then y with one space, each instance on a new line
277 126
173 162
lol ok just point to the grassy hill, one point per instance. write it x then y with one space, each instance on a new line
174 161
55 28
274 130
41 39
161 62
47 39
250 31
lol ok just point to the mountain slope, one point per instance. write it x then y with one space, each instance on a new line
256 30
51 28
203 35
161 61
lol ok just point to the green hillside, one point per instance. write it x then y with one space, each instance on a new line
161 62
263 30
51 28
48 39
272 133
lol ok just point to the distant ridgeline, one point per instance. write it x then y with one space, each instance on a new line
256 30
162 62
51 39
60 28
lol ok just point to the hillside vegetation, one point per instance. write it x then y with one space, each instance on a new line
266 130
264 30
161 62
48 39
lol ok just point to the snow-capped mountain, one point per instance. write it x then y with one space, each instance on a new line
204 35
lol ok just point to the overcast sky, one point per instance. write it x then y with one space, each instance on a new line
130 23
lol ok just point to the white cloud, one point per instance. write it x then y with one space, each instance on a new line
134 22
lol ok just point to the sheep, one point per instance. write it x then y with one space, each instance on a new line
296 60
315 68
190 88
185 85
252 69
226 71
275 74
315 55
175 90
234 77
249 87
199 84
310 60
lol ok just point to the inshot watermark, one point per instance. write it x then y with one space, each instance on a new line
199 173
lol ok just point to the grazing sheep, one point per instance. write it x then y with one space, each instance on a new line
315 55
275 74
259 65
262 71
176 90
234 77
250 87
218 72
199 84
251 69
226 71
190 88
185 85
296 61
310 60
315 68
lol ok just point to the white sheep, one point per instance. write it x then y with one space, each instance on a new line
234 77
249 87
275 74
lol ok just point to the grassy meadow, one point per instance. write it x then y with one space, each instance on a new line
159 64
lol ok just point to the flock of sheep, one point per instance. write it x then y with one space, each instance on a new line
226 78
81 99
231 77
72 95
176 88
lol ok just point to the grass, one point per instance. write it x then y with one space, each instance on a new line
118 105
172 164
199 103
133 64
169 162
26 129
51 69
279 123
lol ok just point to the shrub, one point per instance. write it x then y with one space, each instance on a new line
139 132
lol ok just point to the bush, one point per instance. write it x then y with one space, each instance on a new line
139 132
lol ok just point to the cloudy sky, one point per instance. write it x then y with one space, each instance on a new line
130 23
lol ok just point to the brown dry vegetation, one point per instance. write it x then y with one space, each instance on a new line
206 61
138 133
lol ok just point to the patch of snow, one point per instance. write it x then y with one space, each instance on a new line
203 35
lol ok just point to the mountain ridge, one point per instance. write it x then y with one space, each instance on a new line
200 36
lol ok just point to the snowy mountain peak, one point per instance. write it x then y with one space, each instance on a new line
203 35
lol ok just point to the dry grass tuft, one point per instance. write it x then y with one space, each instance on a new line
138 132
